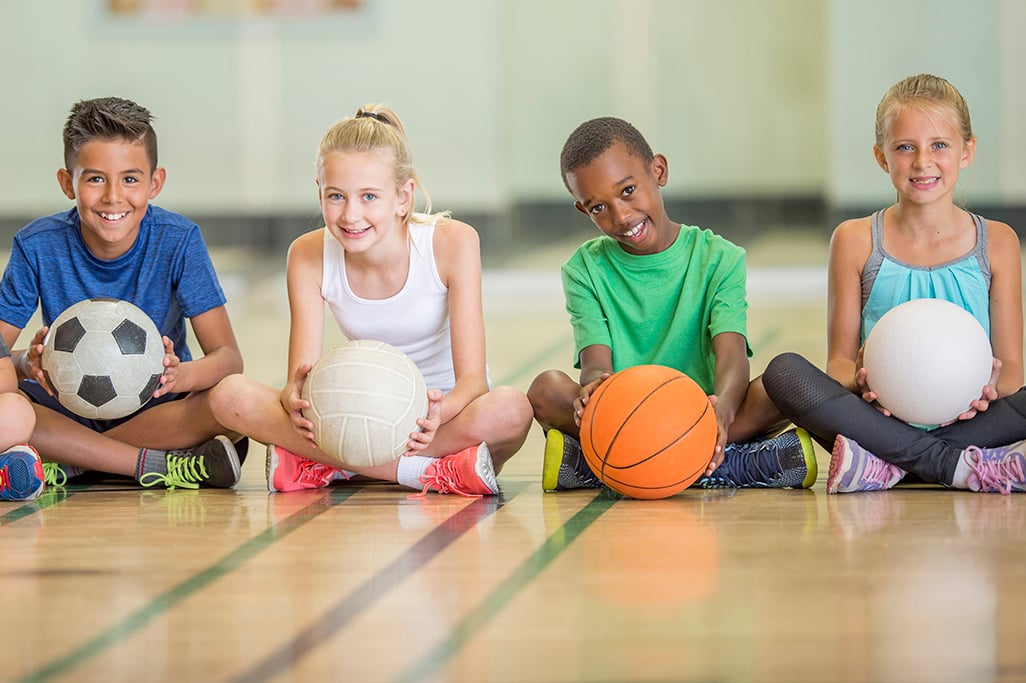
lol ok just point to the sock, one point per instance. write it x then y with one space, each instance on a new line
345 475
411 468
150 460
960 480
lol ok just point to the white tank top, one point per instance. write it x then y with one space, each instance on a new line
414 320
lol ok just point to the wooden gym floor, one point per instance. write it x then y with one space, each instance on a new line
359 583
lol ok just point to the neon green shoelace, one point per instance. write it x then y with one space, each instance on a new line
182 472
54 474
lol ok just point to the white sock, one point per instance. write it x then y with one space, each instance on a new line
411 468
960 480
345 475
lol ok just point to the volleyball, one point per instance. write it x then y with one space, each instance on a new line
103 358
648 431
927 360
365 398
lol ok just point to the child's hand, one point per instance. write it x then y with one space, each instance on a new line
989 394
721 438
33 360
428 425
291 398
586 391
868 395
172 364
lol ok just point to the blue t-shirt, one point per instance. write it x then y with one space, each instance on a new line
167 273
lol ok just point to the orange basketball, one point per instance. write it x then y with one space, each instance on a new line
648 431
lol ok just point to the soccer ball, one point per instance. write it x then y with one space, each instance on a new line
103 358
365 397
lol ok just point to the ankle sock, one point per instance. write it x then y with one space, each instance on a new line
960 480
150 460
411 468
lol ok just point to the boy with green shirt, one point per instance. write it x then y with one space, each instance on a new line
651 291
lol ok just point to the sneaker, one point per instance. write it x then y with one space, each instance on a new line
21 473
784 461
997 470
213 464
469 473
852 468
564 466
287 471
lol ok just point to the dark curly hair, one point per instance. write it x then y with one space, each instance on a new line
590 139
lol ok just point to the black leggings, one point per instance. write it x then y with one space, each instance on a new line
812 399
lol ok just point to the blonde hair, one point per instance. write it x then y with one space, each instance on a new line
376 127
926 91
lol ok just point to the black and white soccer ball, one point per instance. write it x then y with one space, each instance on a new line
103 358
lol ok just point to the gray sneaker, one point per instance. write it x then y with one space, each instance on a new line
564 466
784 461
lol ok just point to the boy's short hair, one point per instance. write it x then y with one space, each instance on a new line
108 118
590 139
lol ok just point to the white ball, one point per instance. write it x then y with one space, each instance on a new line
927 360
103 358
365 398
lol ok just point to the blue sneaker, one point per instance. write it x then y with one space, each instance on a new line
564 467
21 473
784 461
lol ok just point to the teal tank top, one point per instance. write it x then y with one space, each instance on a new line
887 282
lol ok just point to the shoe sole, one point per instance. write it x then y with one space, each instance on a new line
485 468
270 466
809 451
553 459
233 458
840 460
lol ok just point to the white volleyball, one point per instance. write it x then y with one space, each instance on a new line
365 398
927 360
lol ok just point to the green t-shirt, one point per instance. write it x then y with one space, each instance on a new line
661 309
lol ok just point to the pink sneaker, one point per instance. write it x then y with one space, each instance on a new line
853 468
469 473
287 471
997 470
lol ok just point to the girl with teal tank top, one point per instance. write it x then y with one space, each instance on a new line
922 246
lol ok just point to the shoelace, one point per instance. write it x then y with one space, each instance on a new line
182 472
995 475
313 472
445 478
5 479
54 474
749 470
878 472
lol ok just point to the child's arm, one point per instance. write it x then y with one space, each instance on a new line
732 376
304 269
850 247
22 359
458 254
221 355
1006 319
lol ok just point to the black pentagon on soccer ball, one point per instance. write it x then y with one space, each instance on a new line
130 337
67 336
96 390
147 393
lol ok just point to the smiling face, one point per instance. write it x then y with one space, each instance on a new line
923 152
359 199
620 193
112 183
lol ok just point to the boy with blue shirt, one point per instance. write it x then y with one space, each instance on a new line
653 291
113 243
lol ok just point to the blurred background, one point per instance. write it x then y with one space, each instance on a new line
763 108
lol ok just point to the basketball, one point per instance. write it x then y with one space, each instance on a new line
927 360
648 431
365 398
